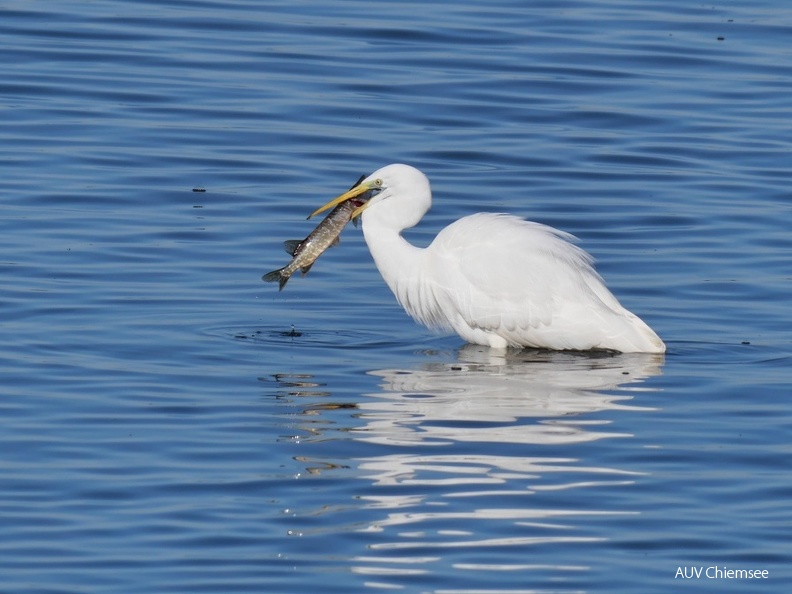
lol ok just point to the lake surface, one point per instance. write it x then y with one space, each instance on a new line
172 424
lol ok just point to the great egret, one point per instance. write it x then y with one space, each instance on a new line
495 279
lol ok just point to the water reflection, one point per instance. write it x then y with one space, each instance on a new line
489 453
483 396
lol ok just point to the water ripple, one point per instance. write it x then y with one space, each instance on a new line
174 424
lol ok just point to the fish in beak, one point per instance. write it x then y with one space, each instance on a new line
306 251
361 194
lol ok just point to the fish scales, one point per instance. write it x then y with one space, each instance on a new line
306 252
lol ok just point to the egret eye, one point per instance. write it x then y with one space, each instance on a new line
378 183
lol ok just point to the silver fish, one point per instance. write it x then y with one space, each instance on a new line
325 235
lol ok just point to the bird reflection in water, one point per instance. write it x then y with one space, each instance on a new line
485 394
491 452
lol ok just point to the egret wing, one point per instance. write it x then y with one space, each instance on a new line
515 278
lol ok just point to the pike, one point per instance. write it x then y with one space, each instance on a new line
326 234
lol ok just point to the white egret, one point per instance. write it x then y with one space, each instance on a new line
495 279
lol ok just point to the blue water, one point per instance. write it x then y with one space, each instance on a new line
172 424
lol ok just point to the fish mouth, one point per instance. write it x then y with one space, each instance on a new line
360 200
357 204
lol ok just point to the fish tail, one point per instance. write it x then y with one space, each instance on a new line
276 275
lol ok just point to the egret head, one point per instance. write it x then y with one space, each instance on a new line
399 192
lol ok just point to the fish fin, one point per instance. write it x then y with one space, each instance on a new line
276 275
357 183
336 241
305 269
292 245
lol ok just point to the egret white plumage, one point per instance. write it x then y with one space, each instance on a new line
494 279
